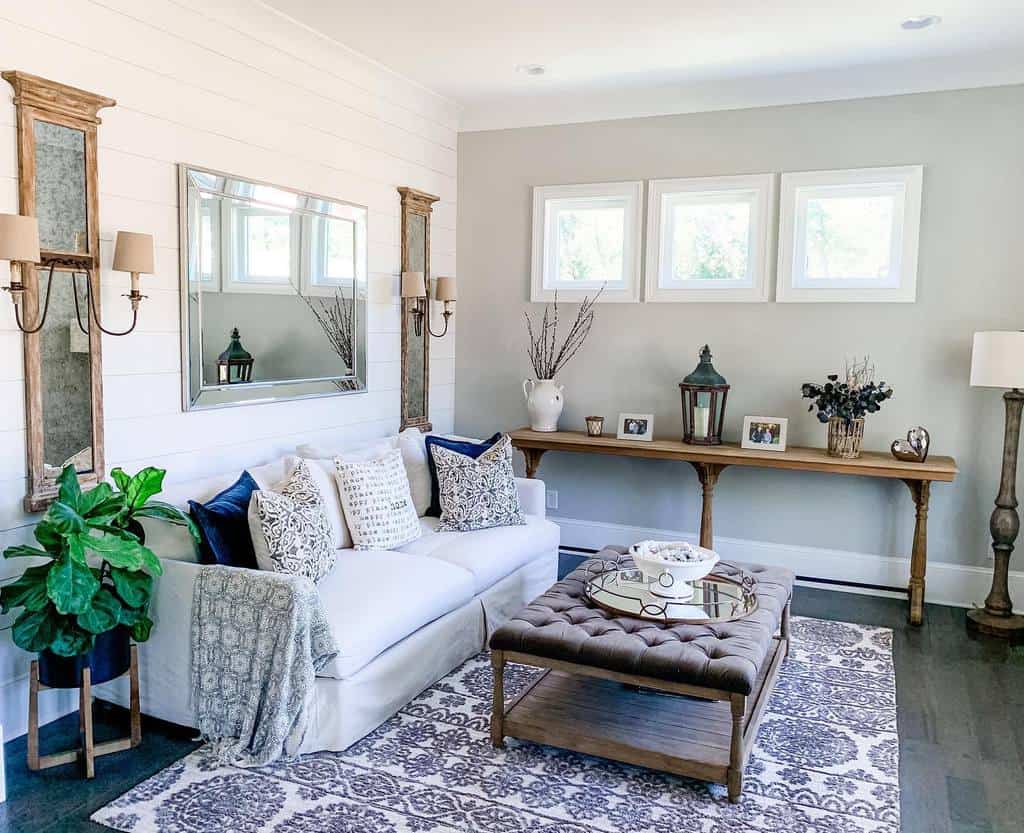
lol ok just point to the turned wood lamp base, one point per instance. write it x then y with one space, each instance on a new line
1010 628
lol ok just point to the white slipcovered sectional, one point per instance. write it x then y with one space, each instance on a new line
402 618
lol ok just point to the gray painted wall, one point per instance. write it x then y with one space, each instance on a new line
970 278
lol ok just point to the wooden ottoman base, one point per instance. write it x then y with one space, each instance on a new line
708 734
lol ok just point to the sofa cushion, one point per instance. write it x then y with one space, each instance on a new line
477 492
378 504
376 598
489 554
224 526
470 448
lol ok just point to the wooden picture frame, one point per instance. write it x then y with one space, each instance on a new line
417 207
38 99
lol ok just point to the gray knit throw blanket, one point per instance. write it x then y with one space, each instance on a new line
258 640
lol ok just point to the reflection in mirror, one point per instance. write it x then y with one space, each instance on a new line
60 188
66 379
275 297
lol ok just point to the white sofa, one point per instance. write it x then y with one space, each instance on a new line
402 619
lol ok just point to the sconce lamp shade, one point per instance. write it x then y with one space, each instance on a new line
413 285
997 360
19 238
133 252
445 290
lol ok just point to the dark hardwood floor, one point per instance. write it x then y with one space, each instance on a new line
961 725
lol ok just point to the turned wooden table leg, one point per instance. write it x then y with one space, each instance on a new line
707 473
920 490
532 456
735 777
498 702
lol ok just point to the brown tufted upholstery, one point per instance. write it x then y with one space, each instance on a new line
561 625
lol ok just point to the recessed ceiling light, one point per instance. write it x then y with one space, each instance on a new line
921 21
531 69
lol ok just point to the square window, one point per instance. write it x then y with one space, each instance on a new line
850 235
586 237
707 238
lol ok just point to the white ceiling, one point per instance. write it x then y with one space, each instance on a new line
616 58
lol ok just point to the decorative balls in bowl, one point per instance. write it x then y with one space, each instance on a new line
668 564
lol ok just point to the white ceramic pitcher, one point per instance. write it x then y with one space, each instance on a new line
544 402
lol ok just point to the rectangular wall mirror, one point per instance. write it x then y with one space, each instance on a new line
273 292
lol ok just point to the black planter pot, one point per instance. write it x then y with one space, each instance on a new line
110 657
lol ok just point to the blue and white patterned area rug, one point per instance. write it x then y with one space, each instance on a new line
826 761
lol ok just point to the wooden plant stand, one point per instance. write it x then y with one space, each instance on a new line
706 734
89 750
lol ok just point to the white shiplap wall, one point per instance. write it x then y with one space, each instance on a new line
231 85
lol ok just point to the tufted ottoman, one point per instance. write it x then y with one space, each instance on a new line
724 671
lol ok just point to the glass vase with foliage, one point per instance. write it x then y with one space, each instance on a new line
97 574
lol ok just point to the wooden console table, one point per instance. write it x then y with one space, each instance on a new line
709 461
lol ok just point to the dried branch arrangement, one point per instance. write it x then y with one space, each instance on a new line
336 318
549 354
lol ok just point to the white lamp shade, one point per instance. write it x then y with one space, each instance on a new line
133 252
19 238
413 285
997 360
445 289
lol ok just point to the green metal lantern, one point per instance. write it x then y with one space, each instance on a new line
703 395
234 365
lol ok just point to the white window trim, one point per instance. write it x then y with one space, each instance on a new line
792 284
312 271
756 287
542 290
237 255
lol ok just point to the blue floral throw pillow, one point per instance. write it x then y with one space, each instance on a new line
467 447
477 492
223 523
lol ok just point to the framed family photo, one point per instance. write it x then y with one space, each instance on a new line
763 433
636 427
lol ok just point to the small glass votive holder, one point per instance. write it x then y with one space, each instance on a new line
595 426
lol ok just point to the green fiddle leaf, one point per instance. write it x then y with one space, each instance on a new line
93 498
169 513
128 616
50 538
25 551
120 478
34 630
134 587
69 640
144 485
141 629
69 491
126 553
65 518
71 585
103 615
29 591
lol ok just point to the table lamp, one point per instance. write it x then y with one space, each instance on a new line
997 361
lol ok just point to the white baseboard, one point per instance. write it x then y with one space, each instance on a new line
948 584
53 703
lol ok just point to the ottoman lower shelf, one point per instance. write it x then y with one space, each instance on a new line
637 720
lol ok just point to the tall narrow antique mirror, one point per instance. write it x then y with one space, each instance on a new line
416 210
57 183
273 292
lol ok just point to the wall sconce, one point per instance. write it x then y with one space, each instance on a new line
414 287
19 243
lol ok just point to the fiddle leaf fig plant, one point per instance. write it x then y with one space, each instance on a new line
98 574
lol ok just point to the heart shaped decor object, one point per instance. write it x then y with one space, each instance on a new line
903 450
919 439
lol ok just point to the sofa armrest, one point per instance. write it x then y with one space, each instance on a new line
532 496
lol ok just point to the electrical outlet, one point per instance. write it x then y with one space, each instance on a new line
552 499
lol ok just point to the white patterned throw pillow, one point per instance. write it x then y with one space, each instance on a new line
477 493
377 502
290 529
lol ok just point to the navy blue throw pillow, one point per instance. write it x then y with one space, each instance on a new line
470 449
224 525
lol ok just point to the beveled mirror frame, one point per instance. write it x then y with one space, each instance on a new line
415 203
39 99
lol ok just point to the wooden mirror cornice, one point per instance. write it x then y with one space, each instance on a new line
72 114
416 209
